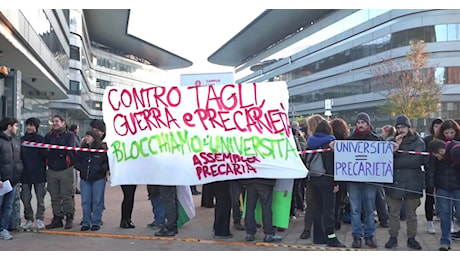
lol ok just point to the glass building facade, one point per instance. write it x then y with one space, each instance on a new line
58 41
334 63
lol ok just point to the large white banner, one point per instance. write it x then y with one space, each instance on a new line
199 134
363 161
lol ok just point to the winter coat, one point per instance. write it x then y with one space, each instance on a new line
407 172
321 141
59 159
10 159
93 166
33 160
445 175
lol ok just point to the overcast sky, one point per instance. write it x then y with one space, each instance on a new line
192 32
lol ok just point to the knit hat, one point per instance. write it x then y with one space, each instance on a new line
403 120
98 124
33 121
363 116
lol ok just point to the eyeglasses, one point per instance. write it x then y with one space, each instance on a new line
401 126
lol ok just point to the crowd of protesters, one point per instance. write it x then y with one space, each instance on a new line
432 171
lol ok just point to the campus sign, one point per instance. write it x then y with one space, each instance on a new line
193 135
363 161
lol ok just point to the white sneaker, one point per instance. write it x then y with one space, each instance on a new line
430 227
452 227
28 225
5 235
40 224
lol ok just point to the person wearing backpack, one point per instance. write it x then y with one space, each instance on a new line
320 167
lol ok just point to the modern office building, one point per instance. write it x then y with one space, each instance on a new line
59 61
325 55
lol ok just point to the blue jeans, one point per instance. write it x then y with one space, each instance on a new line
158 209
92 201
6 208
444 200
362 196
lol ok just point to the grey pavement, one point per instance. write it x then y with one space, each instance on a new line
195 235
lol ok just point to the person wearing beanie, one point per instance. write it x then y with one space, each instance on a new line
99 125
33 175
92 167
408 183
363 195
429 169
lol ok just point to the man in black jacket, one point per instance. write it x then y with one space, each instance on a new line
34 175
60 173
10 170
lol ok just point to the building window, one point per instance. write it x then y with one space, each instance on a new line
100 83
97 105
74 87
74 52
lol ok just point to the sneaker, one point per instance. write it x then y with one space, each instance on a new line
299 213
155 225
272 238
357 242
452 227
5 235
164 232
293 218
84 228
392 242
95 227
384 224
40 224
414 244
305 234
250 237
28 225
444 248
369 241
238 226
455 235
430 227
334 242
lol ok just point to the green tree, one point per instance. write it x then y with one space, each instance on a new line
411 85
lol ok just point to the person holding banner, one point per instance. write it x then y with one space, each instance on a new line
408 183
362 194
60 173
323 184
168 196
260 188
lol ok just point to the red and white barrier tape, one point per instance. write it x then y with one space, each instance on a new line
328 149
54 146
315 151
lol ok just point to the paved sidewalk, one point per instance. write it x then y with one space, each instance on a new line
195 235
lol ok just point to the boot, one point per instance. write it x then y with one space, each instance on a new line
69 221
55 223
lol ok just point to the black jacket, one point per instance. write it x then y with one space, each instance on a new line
445 175
407 173
59 159
10 159
33 160
93 166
